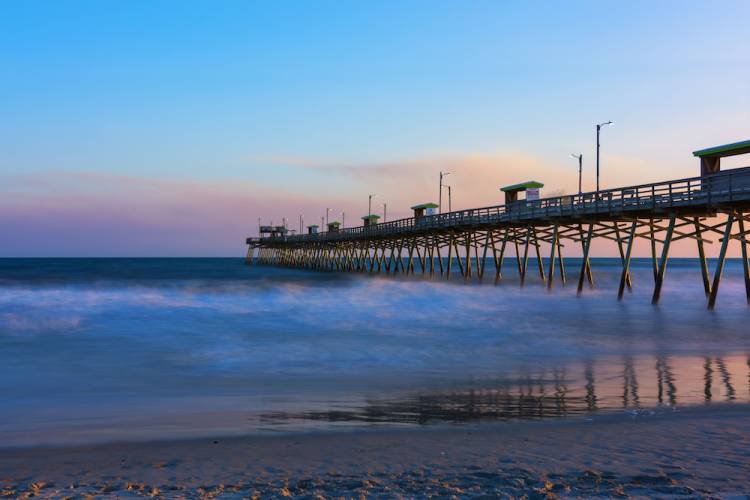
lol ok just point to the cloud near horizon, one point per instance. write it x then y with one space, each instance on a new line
84 213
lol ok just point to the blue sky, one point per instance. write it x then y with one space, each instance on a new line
277 109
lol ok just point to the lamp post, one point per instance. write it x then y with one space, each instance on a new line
369 204
440 194
300 224
579 157
449 198
343 220
385 212
598 128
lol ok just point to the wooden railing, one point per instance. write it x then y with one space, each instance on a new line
705 192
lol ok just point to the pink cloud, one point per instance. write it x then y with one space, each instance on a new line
91 213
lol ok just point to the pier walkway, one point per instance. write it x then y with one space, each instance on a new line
715 204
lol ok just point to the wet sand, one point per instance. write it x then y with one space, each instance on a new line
692 452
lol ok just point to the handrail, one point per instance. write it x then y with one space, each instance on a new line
709 190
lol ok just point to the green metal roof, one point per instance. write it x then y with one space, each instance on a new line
313 225
425 205
370 217
736 148
522 186
334 223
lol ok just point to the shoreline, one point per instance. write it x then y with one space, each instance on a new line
691 451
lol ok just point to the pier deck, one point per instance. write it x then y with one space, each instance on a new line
661 212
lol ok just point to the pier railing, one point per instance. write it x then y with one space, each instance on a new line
705 192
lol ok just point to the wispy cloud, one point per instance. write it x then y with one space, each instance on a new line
94 213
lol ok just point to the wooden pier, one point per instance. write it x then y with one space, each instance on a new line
714 206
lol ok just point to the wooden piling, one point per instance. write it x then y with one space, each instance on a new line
720 261
626 261
702 257
663 262
743 247
584 261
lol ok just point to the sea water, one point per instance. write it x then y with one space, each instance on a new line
117 349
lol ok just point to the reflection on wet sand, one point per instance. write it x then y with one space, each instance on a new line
665 379
577 389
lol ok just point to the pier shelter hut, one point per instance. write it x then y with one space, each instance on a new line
313 229
711 157
334 226
531 188
711 164
424 209
370 220
272 231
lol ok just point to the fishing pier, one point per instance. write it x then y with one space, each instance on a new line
714 206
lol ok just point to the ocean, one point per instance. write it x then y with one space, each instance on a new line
96 350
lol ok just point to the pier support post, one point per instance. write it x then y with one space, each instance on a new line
626 261
622 255
743 246
518 252
410 261
553 247
720 262
525 262
653 249
538 256
458 258
467 268
450 258
494 257
663 262
440 257
480 266
702 257
585 261
561 261
501 257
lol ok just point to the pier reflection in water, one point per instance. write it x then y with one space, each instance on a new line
611 384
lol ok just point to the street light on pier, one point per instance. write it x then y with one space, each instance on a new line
328 210
449 197
369 204
598 128
440 194
385 212
579 157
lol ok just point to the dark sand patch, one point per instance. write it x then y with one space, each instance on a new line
695 452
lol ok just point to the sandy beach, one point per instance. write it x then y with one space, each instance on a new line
667 452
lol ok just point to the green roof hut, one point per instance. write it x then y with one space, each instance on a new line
711 157
334 226
424 209
531 188
370 220
313 229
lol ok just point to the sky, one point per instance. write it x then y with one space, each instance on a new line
168 128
